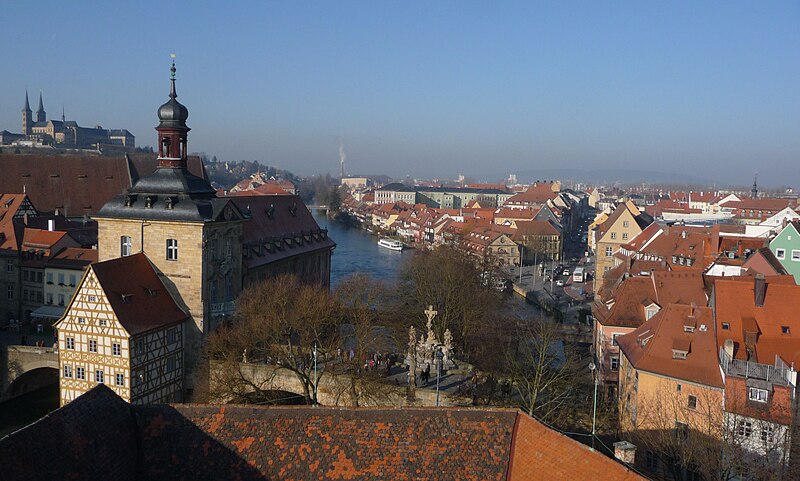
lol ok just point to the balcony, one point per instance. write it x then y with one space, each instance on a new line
780 373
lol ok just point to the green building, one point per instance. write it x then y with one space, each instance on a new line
786 247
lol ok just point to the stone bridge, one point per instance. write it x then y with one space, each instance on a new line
26 368
333 390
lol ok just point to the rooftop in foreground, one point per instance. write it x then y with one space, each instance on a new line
125 442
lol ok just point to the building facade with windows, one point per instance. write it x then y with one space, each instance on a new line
786 247
625 223
122 328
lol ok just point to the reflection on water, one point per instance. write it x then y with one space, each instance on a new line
357 251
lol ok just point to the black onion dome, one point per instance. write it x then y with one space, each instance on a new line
173 114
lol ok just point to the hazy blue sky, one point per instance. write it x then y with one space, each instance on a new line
430 88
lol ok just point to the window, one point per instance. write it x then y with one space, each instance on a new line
681 430
49 277
651 460
120 380
678 388
9 265
692 402
101 322
767 433
624 236
72 280
92 345
125 246
615 364
678 354
726 326
228 248
614 338
98 376
744 428
613 235
170 364
626 223
796 255
172 249
609 252
80 373
116 349
61 299
68 371
785 329
756 394
81 320
10 292
70 343
780 253
171 335
39 277
92 299
61 279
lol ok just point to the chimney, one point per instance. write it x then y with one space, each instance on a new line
51 225
760 290
625 451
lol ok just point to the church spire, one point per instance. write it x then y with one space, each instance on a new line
754 190
41 116
27 107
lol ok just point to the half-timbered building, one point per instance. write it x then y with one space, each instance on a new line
122 328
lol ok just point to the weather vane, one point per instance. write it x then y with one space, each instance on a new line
172 70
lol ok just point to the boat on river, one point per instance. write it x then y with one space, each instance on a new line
391 244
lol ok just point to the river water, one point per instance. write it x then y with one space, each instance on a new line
357 251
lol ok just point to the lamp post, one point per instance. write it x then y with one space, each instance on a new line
593 368
315 374
439 357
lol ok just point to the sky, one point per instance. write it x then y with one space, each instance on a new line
709 90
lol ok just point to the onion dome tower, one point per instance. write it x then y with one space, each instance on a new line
171 191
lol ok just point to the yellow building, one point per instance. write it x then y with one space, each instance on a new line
122 328
671 388
625 223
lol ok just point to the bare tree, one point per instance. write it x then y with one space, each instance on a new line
361 301
542 369
281 322
449 280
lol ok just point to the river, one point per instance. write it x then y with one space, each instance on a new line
357 251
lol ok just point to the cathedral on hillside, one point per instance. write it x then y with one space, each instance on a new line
62 133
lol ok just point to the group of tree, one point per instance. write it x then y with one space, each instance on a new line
312 333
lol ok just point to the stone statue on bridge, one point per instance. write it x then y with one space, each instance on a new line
423 351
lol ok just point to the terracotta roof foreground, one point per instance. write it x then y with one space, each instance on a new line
99 436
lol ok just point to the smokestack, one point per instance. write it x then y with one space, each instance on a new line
760 289
51 225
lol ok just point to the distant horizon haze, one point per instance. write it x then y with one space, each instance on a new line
699 90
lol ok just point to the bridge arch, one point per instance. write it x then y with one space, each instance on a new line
36 376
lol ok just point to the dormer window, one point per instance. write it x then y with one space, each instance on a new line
785 330
169 202
679 354
688 328
726 326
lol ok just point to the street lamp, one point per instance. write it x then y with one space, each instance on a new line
439 356
593 368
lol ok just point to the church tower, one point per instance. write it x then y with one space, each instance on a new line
27 116
41 116
191 237
754 189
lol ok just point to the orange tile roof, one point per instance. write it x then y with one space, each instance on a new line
735 305
662 287
537 454
650 346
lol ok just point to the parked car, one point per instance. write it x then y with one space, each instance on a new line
560 282
565 273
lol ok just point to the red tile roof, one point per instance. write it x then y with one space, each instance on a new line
650 346
139 299
736 306
294 443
